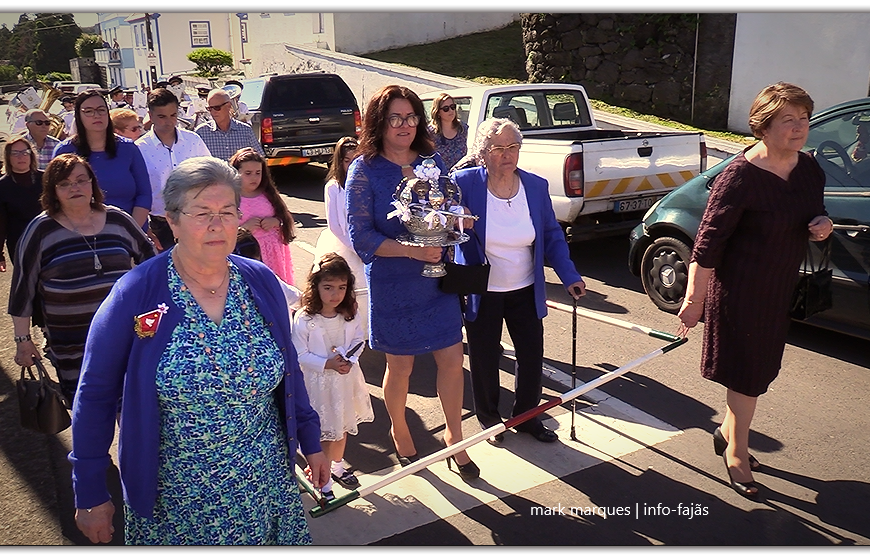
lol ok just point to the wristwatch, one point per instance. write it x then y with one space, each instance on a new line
22 338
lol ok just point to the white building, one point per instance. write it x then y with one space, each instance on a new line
352 33
828 54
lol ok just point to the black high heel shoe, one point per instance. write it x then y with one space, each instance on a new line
405 460
469 471
745 489
719 445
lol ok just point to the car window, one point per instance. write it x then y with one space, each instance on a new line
304 93
252 93
540 109
842 147
517 106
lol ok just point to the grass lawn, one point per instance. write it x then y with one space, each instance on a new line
497 57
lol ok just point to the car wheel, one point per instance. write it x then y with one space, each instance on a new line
665 272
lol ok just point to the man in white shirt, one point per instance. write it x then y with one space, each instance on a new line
163 148
69 116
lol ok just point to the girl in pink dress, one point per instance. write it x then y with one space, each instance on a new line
264 212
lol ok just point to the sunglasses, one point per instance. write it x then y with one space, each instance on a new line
217 108
448 108
41 122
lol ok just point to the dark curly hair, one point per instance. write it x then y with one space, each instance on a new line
330 266
371 139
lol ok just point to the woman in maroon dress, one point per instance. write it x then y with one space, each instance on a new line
763 208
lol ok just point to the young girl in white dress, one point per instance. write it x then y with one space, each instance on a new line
326 330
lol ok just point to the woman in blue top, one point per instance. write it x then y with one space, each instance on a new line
516 230
448 132
408 314
116 161
197 341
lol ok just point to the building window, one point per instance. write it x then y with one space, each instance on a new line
318 23
136 32
200 34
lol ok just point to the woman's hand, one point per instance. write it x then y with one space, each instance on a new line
820 227
97 524
251 224
25 353
577 289
690 314
318 469
269 223
428 254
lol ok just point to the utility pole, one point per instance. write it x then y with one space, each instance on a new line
151 55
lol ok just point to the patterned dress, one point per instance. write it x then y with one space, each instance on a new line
754 236
276 254
453 149
408 313
225 476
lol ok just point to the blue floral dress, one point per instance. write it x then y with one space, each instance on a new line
453 149
225 476
408 313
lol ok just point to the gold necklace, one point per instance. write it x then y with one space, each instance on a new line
98 265
192 278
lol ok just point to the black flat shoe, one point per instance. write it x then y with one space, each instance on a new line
748 490
719 445
405 460
542 434
469 471
327 495
496 440
347 480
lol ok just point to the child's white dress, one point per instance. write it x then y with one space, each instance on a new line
341 400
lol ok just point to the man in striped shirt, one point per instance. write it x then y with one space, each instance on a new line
38 123
224 135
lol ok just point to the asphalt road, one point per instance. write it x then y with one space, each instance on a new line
644 442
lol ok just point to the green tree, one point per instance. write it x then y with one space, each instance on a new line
8 74
210 61
5 37
45 42
86 44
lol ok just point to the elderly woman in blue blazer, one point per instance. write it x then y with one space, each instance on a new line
517 229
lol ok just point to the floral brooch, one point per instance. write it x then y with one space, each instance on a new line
146 324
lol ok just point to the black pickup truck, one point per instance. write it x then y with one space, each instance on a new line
298 118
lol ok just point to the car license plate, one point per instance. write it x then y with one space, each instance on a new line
317 151
636 204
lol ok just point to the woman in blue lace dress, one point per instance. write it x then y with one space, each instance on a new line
214 403
408 314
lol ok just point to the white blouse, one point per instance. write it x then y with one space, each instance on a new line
510 236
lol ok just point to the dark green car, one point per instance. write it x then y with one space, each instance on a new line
661 246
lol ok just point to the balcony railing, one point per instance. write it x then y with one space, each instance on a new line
108 56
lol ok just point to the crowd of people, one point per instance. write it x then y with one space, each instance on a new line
136 254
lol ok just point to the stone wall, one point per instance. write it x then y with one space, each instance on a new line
645 62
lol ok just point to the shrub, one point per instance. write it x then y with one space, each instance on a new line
8 74
210 61
86 44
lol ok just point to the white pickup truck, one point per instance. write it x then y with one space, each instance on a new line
601 181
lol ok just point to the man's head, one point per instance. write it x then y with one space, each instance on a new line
69 102
128 97
218 103
38 123
116 94
163 111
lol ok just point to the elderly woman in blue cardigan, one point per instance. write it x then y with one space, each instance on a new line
517 229
197 342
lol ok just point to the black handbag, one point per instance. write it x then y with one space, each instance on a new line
814 291
466 279
41 402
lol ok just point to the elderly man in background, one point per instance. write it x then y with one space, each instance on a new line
163 148
38 124
225 135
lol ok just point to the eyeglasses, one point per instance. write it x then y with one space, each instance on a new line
448 108
66 184
19 152
513 149
397 121
217 108
40 122
205 218
90 112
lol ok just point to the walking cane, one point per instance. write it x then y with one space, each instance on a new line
574 367
674 342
